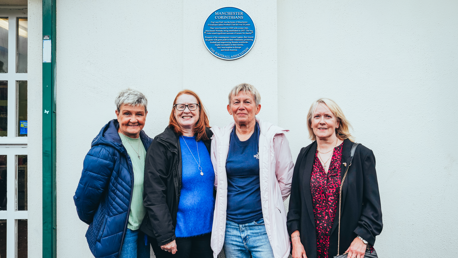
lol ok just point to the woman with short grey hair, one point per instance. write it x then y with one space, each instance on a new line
109 196
253 171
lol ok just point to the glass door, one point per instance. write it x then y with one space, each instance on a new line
13 133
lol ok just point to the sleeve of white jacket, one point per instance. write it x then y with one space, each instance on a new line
284 165
213 159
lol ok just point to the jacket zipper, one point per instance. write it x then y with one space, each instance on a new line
130 201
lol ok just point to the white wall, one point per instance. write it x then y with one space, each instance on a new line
390 65
157 48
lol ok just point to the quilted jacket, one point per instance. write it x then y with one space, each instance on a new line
104 191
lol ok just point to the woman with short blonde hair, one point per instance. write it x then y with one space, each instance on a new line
253 169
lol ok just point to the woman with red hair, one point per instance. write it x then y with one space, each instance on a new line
179 177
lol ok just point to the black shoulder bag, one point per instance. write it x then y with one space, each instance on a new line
369 253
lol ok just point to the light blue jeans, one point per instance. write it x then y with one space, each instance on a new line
247 240
134 245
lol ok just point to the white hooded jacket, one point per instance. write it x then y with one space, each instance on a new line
275 175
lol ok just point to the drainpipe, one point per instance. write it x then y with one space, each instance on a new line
49 129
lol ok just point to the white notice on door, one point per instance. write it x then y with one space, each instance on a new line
46 51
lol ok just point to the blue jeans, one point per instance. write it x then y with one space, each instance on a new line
247 240
134 245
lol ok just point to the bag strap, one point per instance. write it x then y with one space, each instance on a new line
352 153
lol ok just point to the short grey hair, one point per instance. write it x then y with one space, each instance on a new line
131 97
245 87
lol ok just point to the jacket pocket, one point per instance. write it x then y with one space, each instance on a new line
102 229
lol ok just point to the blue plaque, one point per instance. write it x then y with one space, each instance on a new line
229 33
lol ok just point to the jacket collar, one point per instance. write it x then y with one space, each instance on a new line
267 129
109 135
169 138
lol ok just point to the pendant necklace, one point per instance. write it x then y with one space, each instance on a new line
138 148
324 163
198 163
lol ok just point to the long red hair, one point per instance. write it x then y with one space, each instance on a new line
201 124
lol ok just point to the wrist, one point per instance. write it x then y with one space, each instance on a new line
362 239
295 239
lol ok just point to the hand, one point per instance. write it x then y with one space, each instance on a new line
356 249
298 248
170 247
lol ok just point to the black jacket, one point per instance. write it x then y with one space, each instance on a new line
162 185
361 209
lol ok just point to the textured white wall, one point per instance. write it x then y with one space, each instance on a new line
391 66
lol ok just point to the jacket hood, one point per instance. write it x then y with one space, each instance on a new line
108 135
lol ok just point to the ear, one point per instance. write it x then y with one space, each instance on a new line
258 109
338 123
229 109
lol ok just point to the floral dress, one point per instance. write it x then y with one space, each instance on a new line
325 196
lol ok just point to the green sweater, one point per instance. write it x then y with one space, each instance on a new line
137 153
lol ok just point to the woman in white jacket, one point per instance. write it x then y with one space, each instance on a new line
253 172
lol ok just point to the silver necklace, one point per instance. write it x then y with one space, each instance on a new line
138 148
198 163
324 163
325 166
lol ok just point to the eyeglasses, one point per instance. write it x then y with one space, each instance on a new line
182 107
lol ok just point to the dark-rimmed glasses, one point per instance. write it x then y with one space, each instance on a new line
182 107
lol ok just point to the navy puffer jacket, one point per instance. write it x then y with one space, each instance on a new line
104 192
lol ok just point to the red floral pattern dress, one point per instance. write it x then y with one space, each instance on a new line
325 196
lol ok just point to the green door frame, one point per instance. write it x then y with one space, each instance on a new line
49 130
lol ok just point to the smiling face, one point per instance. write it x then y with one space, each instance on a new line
131 120
324 123
243 108
186 119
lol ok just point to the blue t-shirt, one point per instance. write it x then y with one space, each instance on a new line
195 209
243 186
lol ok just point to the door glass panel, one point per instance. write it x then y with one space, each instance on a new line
22 108
3 182
22 36
3 108
3 45
21 179
2 238
22 238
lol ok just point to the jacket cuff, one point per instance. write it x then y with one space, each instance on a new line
366 235
165 240
292 226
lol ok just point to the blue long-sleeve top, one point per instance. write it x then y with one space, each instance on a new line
195 209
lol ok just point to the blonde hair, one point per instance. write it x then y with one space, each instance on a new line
343 132
245 87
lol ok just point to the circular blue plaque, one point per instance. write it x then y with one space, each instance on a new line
229 33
